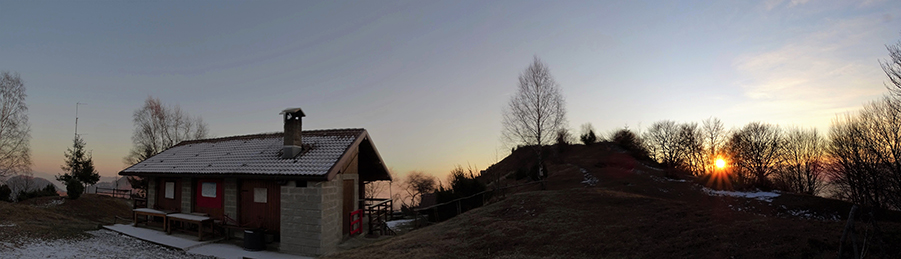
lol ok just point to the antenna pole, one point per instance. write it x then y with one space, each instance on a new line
76 117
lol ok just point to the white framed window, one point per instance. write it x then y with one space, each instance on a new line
260 194
170 190
208 190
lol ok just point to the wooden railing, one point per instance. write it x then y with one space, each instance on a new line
379 212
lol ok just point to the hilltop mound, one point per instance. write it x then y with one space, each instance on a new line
57 217
601 202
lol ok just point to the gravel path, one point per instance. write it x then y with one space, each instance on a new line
103 244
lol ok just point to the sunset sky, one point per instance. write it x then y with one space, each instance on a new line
429 79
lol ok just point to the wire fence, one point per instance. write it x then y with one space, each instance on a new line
444 211
118 193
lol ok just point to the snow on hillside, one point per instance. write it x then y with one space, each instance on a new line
759 195
395 223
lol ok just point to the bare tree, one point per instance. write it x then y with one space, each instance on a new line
158 127
537 110
868 148
803 158
374 188
690 148
678 146
855 171
892 68
662 141
15 132
755 152
415 185
865 148
714 139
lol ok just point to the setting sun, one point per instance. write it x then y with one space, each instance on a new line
720 163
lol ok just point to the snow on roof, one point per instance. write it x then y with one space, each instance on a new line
258 154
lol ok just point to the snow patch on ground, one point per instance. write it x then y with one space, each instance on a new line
808 214
52 203
109 244
651 167
667 179
395 223
102 244
589 179
7 224
759 195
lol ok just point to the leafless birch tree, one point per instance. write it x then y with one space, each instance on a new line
537 111
15 132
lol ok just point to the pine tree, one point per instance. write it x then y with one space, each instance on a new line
79 167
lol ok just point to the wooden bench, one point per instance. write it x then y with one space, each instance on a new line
147 212
190 218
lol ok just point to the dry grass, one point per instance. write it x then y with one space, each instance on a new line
592 223
633 213
47 218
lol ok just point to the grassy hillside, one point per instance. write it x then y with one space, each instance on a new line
55 217
632 212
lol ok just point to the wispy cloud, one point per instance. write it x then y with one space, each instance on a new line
814 75
771 4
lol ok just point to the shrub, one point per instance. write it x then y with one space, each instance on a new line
589 138
48 190
627 140
461 185
74 188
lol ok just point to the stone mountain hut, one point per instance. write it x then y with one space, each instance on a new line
300 187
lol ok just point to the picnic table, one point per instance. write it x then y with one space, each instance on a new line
190 218
148 212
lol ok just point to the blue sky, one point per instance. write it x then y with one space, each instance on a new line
428 79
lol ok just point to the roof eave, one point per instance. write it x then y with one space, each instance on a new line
230 175
346 157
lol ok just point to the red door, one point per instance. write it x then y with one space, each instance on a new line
260 204
208 197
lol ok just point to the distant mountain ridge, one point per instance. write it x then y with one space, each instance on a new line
27 183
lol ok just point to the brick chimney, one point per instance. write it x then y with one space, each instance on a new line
293 138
